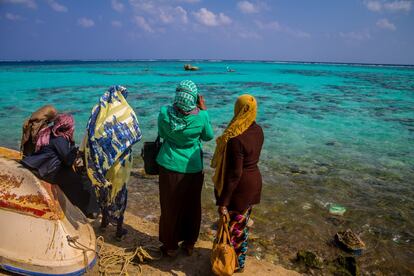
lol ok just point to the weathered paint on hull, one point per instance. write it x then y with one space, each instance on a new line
36 227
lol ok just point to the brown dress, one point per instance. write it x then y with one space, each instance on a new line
242 181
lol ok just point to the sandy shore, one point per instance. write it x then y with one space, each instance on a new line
142 232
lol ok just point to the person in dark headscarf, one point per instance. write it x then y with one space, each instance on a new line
182 125
39 120
52 160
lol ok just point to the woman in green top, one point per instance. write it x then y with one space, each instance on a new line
182 125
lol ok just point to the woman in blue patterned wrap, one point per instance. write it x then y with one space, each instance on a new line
112 130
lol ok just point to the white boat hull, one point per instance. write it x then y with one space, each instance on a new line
36 221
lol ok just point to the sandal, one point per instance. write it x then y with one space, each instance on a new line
120 234
168 252
239 270
188 248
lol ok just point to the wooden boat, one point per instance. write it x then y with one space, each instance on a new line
42 233
189 67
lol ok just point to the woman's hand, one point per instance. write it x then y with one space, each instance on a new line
78 163
201 103
222 210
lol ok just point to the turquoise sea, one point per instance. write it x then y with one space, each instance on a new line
334 133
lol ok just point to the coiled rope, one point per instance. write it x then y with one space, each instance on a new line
115 261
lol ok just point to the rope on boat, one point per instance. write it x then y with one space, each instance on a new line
110 259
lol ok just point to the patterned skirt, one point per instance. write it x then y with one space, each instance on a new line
113 211
239 232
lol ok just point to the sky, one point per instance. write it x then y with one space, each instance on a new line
361 31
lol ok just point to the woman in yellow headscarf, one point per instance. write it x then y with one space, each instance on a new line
237 178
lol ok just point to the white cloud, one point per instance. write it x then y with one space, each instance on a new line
208 18
148 6
166 17
394 6
117 6
153 15
224 19
189 1
356 36
273 25
385 24
373 5
142 23
247 7
13 17
169 15
276 26
296 33
86 22
398 6
28 3
182 14
56 6
249 35
116 23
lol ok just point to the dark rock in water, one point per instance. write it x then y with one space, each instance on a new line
337 221
332 143
296 169
310 259
345 266
349 241
11 108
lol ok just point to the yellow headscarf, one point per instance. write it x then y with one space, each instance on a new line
245 111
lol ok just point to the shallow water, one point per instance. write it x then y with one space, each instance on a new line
333 134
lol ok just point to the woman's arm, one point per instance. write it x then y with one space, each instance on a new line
233 172
207 133
160 130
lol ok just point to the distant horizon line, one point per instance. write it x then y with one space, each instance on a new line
209 60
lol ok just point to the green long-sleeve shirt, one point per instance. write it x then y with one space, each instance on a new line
181 150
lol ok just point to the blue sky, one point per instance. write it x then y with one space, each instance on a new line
370 31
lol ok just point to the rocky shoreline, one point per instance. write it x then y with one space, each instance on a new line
144 204
144 232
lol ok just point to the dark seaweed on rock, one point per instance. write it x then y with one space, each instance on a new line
306 73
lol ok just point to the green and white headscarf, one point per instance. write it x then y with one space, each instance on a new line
185 99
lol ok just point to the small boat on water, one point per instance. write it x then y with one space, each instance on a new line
42 233
189 67
230 70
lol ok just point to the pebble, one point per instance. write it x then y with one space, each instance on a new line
396 238
306 206
151 218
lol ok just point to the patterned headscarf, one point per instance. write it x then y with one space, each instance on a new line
245 111
63 126
185 103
